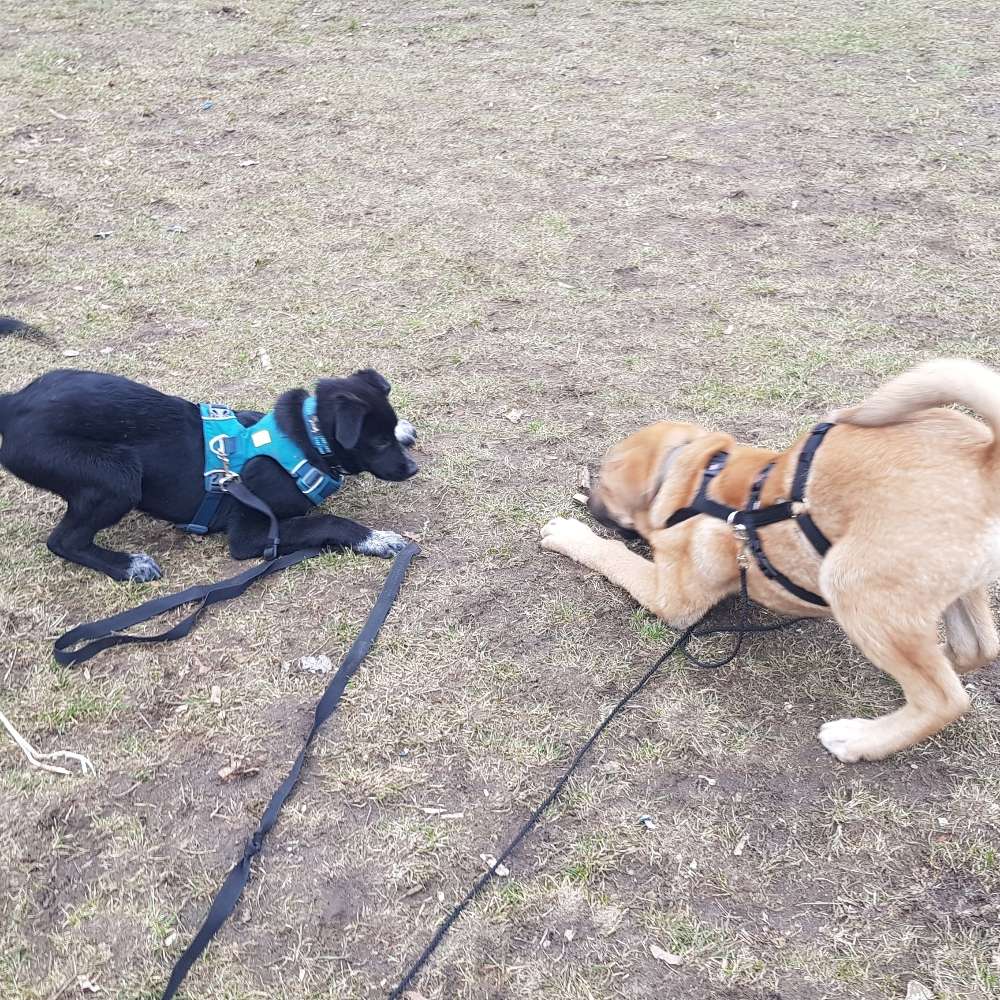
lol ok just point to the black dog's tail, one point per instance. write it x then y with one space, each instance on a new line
10 327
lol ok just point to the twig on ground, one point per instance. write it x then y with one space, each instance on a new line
36 759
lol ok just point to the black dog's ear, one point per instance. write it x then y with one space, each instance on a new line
348 414
372 377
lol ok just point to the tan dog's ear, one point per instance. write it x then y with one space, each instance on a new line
677 486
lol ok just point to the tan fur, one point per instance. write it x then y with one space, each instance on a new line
910 497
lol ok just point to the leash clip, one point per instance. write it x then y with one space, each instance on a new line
742 537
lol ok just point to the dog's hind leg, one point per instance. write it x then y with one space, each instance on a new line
88 511
904 645
971 632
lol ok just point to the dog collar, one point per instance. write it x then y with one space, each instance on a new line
311 421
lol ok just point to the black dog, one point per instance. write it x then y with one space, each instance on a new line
106 445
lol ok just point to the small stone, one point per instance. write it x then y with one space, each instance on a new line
916 990
514 416
215 697
71 354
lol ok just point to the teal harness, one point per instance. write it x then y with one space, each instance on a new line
229 446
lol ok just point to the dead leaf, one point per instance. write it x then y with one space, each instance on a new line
321 664
667 957
491 862
239 769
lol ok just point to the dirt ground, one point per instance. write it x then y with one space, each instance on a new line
591 213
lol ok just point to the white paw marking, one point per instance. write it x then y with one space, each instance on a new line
406 433
846 739
381 543
143 568
565 535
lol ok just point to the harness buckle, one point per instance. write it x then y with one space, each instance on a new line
219 478
311 479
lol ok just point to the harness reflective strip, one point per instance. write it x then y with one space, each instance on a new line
754 517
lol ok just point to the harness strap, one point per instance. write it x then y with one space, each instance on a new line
703 503
819 541
748 520
751 524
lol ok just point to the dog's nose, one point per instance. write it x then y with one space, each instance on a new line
411 469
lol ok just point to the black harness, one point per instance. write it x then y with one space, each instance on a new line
745 523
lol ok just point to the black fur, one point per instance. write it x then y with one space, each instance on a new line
106 445
10 327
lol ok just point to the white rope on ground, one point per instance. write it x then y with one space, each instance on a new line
36 759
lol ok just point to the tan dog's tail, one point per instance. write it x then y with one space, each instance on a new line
934 383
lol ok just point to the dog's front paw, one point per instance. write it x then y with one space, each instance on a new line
381 543
566 536
850 740
142 569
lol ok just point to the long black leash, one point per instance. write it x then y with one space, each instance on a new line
107 632
228 896
740 630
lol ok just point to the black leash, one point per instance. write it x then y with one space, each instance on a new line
106 632
740 630
228 896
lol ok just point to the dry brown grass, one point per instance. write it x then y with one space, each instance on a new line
596 214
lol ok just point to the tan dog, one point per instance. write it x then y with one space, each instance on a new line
908 495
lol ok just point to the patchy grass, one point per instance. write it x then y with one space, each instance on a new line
593 214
